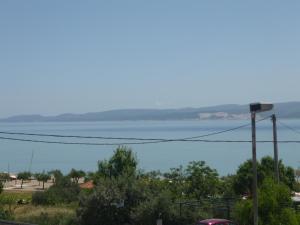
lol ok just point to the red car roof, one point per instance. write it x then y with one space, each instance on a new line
213 221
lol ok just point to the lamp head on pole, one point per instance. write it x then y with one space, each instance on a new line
260 107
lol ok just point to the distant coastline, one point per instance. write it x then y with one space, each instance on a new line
287 110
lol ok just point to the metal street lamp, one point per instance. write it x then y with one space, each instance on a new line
256 108
260 107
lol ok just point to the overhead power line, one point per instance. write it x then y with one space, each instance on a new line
225 131
80 136
142 143
130 138
289 127
137 141
60 142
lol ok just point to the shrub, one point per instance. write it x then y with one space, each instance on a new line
40 198
275 206
63 191
5 214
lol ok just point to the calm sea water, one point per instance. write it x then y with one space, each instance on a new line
225 157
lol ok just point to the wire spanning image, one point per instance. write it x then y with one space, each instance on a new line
136 141
129 138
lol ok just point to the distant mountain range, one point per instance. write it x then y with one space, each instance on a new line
230 111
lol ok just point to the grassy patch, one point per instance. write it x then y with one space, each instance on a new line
12 197
45 215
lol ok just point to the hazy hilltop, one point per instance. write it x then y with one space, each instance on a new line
230 111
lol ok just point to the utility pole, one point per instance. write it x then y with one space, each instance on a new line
254 166
276 169
256 108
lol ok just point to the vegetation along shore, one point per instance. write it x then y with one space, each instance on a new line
120 193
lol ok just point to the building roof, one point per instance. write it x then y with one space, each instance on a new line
87 185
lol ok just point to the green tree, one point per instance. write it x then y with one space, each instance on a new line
203 181
160 206
56 174
162 200
4 177
122 163
23 176
62 191
104 169
286 173
76 175
265 169
176 181
42 177
226 188
275 206
109 204
242 183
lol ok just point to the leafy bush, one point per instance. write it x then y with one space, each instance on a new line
157 207
40 198
5 214
106 205
275 206
265 169
66 194
63 191
243 212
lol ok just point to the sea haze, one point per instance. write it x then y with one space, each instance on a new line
225 157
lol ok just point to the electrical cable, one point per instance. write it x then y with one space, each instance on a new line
227 130
288 127
141 140
141 143
130 138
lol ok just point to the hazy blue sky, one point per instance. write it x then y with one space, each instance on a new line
80 56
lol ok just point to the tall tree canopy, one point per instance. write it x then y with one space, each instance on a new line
76 175
23 176
203 180
123 162
275 206
265 169
42 177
